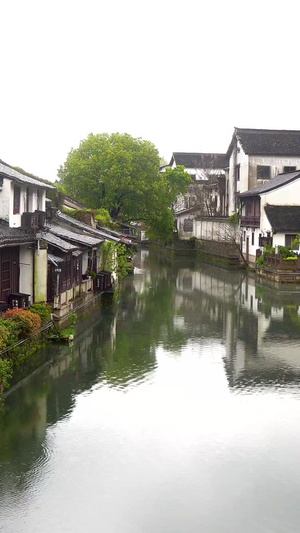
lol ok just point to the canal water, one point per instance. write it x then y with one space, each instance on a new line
177 409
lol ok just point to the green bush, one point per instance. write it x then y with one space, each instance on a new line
43 310
65 333
4 335
234 219
91 273
286 251
9 332
268 250
5 373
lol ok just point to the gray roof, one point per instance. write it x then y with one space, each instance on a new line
57 242
199 160
85 227
55 259
274 183
70 235
268 142
14 235
9 172
284 217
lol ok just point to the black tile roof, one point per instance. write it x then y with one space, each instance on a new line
14 235
268 142
103 233
73 236
284 217
274 183
57 242
198 160
11 173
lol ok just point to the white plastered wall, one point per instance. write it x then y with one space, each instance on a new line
277 165
5 194
288 194
26 270
237 157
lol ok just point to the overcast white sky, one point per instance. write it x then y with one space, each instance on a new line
181 74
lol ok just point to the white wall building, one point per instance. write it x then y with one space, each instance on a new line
270 213
256 156
208 174
23 263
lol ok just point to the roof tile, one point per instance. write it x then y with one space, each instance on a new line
284 217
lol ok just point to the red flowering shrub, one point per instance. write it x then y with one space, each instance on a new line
27 322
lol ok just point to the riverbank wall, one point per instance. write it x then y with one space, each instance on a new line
175 248
215 251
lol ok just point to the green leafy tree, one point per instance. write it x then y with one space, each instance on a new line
120 173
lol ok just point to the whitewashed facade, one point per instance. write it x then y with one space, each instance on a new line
284 191
257 156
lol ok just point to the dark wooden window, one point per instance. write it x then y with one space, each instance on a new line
237 172
252 207
263 172
252 238
38 200
68 272
17 199
77 271
188 224
289 169
289 241
63 282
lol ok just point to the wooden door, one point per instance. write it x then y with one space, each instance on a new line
9 271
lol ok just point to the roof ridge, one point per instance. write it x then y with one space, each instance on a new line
263 130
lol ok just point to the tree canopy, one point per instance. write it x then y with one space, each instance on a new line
121 173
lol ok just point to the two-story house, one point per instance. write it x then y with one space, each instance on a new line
206 195
270 213
23 260
256 156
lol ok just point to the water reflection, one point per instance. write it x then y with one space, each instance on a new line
259 325
240 336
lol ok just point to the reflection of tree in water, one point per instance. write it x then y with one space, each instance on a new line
144 321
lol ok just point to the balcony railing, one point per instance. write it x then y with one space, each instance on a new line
250 221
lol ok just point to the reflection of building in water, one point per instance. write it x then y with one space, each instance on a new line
259 326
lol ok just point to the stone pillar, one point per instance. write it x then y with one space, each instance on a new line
40 272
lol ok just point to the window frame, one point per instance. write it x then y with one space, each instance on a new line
261 169
17 200
289 168
288 240
237 172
